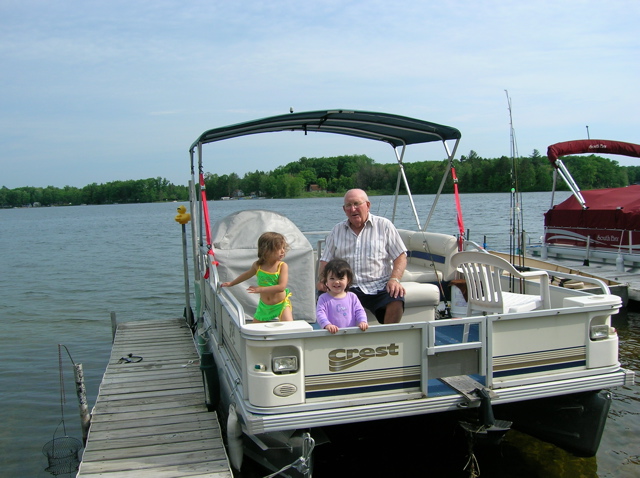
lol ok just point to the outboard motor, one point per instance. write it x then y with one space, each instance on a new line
486 429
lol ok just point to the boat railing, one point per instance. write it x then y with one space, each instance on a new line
598 283
464 343
620 254
319 247
212 284
469 245
580 278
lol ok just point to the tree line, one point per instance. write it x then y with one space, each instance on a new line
130 191
322 176
475 175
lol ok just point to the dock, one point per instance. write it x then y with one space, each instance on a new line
150 417
629 276
624 283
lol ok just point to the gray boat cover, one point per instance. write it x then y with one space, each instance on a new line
235 244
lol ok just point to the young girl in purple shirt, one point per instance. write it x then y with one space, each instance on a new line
338 307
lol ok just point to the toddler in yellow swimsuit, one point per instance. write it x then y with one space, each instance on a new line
272 275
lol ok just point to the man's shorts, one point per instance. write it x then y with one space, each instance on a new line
376 303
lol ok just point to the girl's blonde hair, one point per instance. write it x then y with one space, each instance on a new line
269 242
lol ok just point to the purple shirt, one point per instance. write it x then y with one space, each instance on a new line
344 312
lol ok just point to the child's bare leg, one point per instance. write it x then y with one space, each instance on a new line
287 315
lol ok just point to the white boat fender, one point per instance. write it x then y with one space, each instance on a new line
234 438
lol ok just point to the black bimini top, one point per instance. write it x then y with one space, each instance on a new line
393 129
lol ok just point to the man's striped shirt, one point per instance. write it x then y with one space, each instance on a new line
370 253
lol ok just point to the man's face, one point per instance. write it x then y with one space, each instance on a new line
356 207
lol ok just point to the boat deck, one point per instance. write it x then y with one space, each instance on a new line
150 418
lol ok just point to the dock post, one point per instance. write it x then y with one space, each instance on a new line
83 407
114 326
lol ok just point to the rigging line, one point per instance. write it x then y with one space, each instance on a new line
68 353
425 245
62 394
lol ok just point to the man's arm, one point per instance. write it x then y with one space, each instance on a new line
319 283
394 287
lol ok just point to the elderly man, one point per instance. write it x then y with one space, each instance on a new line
374 250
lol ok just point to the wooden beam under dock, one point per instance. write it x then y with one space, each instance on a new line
150 418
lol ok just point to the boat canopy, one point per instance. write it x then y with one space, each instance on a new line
393 129
398 131
601 146
614 208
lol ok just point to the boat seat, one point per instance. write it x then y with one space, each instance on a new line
428 256
420 302
235 239
420 295
483 275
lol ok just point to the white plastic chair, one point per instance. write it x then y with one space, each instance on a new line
482 272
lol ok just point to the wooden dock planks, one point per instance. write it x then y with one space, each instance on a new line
630 275
150 418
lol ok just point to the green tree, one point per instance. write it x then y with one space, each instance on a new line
250 183
322 184
4 192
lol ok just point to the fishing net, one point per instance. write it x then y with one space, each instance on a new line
62 453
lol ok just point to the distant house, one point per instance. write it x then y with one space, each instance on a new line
314 188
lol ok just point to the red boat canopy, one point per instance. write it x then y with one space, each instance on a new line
615 208
601 146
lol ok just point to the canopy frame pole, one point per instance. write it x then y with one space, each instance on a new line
553 188
402 175
200 205
450 155
564 173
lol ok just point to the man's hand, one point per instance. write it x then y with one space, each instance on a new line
394 288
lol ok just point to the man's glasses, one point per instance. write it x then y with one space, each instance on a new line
354 204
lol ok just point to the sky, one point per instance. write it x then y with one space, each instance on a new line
99 91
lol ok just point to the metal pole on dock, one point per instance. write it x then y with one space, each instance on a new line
183 218
189 315
586 256
114 326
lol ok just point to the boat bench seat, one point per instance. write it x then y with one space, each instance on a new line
428 256
420 302
428 264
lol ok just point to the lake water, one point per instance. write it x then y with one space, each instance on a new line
63 270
